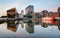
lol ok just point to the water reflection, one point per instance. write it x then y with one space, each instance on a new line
13 24
30 26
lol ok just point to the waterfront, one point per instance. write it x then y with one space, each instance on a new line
38 31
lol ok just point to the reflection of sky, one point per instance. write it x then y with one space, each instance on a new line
50 31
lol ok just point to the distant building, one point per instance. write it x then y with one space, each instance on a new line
58 11
37 15
21 14
55 14
45 12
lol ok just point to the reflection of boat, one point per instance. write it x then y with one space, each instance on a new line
48 18
50 22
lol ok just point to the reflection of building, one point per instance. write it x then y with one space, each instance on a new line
30 27
37 21
12 25
22 25
2 20
3 16
59 27
44 25
37 17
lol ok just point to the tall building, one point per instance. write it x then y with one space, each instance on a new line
29 11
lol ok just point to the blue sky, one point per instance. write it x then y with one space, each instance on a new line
39 5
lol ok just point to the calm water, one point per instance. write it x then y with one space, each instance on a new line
29 30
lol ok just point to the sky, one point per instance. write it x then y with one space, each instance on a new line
39 5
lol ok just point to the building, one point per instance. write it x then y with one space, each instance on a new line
29 11
38 15
37 18
21 14
11 13
55 14
45 12
58 11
